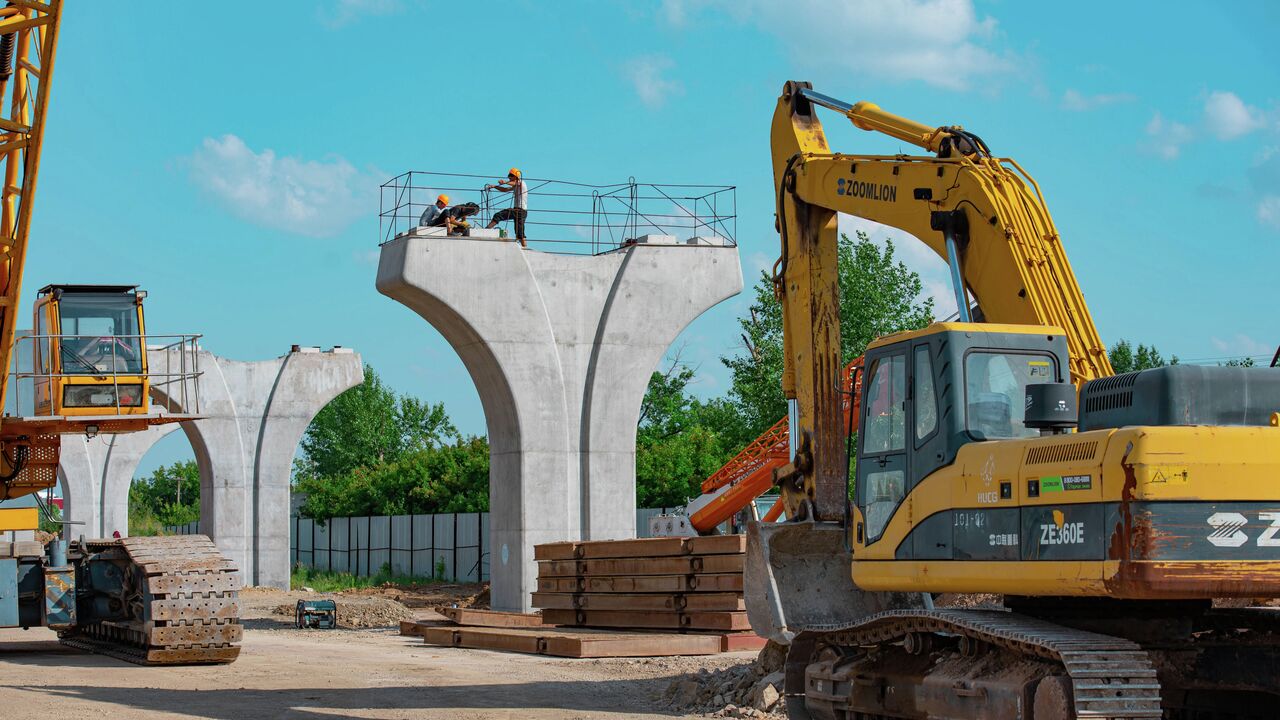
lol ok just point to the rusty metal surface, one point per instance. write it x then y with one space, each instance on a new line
180 603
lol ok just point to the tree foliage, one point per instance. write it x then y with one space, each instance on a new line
1126 358
680 439
878 295
451 477
369 425
170 496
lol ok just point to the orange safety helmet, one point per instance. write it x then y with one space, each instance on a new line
442 199
514 171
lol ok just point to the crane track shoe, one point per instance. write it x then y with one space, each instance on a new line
156 601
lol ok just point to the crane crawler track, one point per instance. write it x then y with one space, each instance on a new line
1110 677
181 604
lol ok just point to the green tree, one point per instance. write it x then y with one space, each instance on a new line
1125 358
680 439
878 295
170 496
452 477
369 425
1239 362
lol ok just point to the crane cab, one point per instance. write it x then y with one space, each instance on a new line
90 351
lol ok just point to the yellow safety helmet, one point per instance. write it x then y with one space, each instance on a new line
514 171
443 198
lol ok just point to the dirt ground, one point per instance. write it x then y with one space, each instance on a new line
283 672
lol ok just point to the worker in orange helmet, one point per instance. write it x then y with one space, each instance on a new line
431 216
519 208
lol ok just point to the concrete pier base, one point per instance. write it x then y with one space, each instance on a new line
560 348
253 416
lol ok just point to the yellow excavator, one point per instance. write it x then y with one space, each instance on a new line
149 600
1000 455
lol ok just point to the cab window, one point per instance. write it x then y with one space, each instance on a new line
926 402
995 390
885 426
99 334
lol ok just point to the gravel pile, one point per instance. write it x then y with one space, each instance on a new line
752 689
360 612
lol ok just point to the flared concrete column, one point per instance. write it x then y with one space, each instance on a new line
560 349
253 415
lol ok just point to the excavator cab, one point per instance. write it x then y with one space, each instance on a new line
90 351
924 395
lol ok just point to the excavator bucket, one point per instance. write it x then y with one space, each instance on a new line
798 576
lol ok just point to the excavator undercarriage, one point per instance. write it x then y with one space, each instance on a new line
1155 660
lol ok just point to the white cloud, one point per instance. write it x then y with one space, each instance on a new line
943 43
1227 117
1241 346
1078 102
344 12
306 197
1167 136
1269 211
647 75
1264 176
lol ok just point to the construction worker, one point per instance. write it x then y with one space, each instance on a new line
519 208
431 215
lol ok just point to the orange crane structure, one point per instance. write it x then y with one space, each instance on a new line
750 473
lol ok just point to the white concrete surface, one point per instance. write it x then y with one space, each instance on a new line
253 415
560 348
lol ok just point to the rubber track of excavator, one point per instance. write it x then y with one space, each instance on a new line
189 604
1111 677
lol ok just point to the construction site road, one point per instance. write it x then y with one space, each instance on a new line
283 672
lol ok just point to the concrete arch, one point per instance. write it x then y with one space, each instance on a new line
560 349
253 415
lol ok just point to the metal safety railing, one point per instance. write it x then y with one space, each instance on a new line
172 369
568 217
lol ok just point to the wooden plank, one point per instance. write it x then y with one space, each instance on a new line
555 601
639 548
560 568
734 642
731 582
653 583
730 602
575 642
717 544
637 645
490 618
734 621
413 628
561 584
722 563
643 566
670 602
556 551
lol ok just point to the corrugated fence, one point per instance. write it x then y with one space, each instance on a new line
447 546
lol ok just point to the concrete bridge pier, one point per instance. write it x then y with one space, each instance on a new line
253 416
560 348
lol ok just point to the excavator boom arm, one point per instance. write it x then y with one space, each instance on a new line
982 213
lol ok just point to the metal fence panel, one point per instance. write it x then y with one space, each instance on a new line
339 544
422 559
485 557
445 525
400 531
379 544
321 542
467 547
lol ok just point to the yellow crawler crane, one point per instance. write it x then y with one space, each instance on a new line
1002 456
148 600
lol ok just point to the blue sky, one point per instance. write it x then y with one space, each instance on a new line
229 161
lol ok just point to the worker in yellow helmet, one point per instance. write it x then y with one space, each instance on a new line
431 216
514 184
